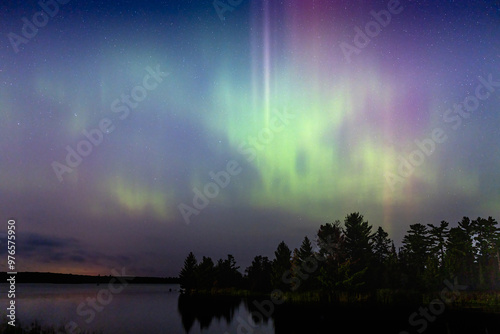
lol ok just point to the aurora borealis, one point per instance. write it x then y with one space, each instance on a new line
314 135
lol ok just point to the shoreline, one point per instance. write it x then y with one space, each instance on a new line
485 301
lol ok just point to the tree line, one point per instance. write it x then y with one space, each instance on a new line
350 257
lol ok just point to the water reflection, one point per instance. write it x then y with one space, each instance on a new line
261 310
160 309
255 316
205 309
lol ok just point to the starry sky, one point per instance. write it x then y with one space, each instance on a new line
133 132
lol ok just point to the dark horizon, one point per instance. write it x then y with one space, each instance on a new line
242 263
69 278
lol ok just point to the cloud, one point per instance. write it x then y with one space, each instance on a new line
65 252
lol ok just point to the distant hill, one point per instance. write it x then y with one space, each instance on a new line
35 277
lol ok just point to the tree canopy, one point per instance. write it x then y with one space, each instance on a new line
351 258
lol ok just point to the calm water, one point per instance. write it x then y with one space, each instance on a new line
161 309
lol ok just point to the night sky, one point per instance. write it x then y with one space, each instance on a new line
134 132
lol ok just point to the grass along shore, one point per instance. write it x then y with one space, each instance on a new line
485 300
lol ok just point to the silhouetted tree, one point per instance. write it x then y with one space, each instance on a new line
259 274
434 273
281 265
206 273
393 269
358 240
381 245
414 253
381 255
437 240
431 278
227 274
487 241
331 243
350 281
459 257
187 276
352 259
296 272
358 245
305 266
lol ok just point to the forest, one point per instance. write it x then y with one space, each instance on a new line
351 258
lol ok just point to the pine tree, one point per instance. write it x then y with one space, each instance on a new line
393 271
486 239
381 245
331 243
437 240
259 274
414 253
281 265
359 246
459 257
358 240
381 254
227 274
305 265
187 276
206 273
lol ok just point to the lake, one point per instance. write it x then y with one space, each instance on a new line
161 309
